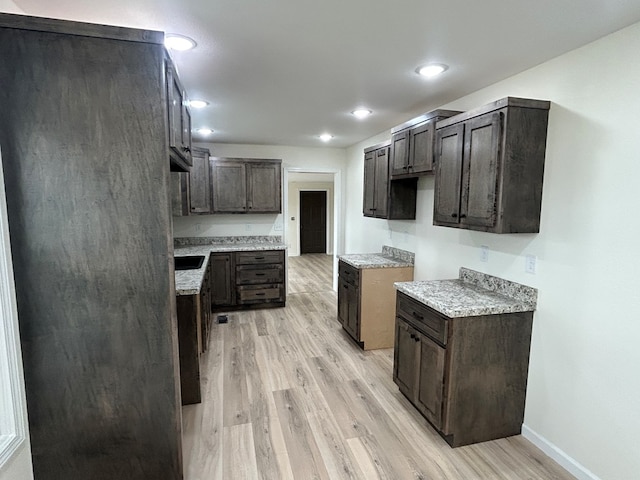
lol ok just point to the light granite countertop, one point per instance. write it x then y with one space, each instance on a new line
472 294
389 258
188 282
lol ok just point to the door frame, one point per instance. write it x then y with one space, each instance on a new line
338 217
326 230
14 429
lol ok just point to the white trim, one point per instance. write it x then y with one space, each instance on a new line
13 426
560 457
337 206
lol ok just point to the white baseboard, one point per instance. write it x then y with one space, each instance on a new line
560 457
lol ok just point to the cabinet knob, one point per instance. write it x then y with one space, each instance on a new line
418 316
463 215
412 336
416 339
454 215
404 168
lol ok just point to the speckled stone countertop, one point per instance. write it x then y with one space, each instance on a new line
472 294
389 258
188 282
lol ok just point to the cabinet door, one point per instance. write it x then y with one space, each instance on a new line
263 180
200 182
431 379
368 201
449 148
222 282
229 187
481 170
343 301
179 118
405 358
348 308
180 194
400 153
381 189
421 148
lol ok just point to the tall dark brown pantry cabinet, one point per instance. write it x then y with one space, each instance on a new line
83 132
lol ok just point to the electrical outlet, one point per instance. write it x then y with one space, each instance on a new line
530 264
277 227
484 253
247 227
198 227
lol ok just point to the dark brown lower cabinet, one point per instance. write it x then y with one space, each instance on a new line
249 279
194 317
221 279
348 307
467 376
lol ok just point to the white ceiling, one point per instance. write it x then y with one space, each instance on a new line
280 72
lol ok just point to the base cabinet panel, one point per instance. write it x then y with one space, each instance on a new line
470 384
366 303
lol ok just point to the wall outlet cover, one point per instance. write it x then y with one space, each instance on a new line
484 253
530 264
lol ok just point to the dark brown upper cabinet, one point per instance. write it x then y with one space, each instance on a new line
412 152
489 167
383 197
179 121
200 182
246 185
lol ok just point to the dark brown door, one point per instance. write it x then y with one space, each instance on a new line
313 222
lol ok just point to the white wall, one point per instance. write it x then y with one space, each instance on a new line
584 386
7 6
294 158
293 237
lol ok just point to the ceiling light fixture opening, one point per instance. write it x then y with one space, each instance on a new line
361 113
431 70
325 137
204 131
198 103
177 42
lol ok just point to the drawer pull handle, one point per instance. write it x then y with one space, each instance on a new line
262 294
345 286
418 316
258 258
260 274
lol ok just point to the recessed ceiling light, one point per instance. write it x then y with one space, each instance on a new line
325 137
361 113
181 43
198 103
431 70
204 131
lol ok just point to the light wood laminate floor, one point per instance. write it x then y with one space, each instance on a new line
288 395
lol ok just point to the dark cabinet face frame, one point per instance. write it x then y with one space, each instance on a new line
179 119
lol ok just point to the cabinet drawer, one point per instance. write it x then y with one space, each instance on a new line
254 274
348 273
260 293
260 257
422 318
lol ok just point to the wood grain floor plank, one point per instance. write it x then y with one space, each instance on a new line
304 454
286 394
239 448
